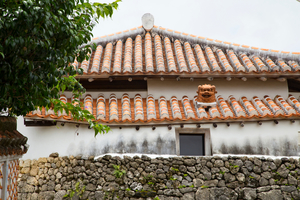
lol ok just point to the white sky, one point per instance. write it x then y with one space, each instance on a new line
271 24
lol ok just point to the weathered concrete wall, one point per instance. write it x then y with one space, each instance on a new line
161 178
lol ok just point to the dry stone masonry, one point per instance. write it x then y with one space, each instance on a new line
171 178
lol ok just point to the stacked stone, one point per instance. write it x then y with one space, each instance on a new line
173 178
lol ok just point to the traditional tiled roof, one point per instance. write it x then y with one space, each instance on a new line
166 52
12 142
141 110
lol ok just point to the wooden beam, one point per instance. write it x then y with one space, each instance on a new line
98 84
40 123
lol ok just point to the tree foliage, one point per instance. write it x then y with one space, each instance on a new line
38 41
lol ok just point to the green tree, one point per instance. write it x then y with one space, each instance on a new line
38 41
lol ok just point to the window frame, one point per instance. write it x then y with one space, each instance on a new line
202 131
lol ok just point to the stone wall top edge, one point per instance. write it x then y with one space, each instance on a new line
161 157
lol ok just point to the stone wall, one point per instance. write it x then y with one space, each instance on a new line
161 178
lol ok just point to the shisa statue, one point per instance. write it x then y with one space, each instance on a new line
206 96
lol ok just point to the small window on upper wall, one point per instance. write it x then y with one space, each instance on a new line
193 142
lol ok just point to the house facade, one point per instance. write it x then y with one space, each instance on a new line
143 83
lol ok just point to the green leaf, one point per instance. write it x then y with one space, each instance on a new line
38 40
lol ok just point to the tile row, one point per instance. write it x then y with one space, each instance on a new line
141 109
204 40
12 142
161 55
176 57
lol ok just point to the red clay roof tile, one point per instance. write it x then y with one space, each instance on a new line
118 57
128 56
247 63
13 143
201 59
97 59
177 56
190 57
235 61
212 60
284 67
180 57
169 55
148 53
138 55
107 58
129 109
160 66
224 62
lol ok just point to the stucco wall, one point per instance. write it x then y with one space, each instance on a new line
236 87
268 138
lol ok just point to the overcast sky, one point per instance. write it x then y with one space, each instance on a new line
271 24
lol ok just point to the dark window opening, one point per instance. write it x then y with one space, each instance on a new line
115 85
191 144
293 85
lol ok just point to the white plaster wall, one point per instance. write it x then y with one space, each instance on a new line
273 137
236 87
64 140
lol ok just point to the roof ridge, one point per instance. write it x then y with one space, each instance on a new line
223 44
122 35
192 39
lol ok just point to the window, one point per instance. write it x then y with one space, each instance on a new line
193 142
293 85
115 85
